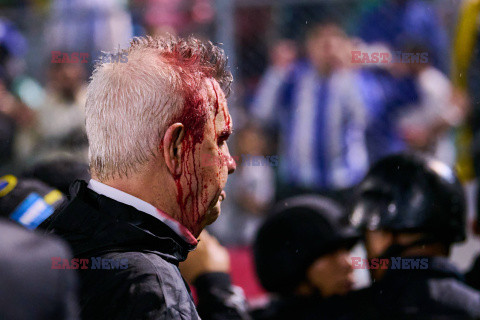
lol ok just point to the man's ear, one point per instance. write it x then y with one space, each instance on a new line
173 148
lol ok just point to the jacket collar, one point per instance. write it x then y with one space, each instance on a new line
93 223
142 206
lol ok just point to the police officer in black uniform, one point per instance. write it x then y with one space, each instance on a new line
472 277
302 258
413 210
30 288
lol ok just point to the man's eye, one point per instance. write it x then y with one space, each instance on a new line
221 140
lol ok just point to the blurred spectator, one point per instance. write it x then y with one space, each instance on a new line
207 269
385 94
13 53
13 47
251 27
31 289
209 256
302 255
394 21
254 186
7 131
425 126
13 85
17 122
61 118
163 16
59 173
88 26
282 56
320 117
178 17
13 107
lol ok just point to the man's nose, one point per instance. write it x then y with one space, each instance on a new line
231 164
229 160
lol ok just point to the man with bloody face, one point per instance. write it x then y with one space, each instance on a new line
150 121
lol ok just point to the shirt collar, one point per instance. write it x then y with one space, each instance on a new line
142 206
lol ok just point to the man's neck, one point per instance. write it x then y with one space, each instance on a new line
132 193
144 188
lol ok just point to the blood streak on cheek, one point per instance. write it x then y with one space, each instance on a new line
193 118
228 120
217 111
228 124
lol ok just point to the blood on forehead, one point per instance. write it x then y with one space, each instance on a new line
221 117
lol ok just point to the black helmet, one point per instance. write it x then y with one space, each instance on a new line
412 193
299 231
58 173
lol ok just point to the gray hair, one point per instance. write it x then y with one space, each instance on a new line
131 104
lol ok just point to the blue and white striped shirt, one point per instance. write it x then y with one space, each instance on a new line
322 127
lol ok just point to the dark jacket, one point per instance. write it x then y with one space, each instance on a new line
29 288
434 293
472 277
305 308
140 278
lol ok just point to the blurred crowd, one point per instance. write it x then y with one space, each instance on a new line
321 95
329 105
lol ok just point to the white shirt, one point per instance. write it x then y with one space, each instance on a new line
142 206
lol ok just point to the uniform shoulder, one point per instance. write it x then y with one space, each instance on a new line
455 294
19 244
33 289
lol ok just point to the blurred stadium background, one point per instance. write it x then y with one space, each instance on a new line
44 99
